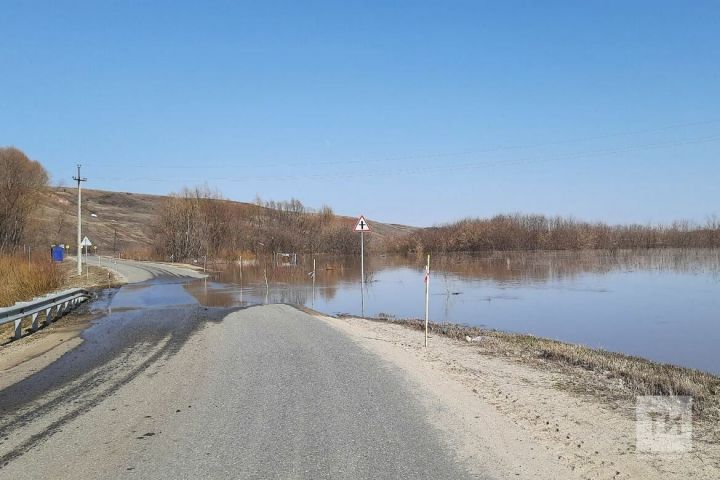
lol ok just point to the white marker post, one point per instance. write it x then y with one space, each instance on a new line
313 287
362 227
427 298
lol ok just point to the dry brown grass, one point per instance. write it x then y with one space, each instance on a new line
138 253
637 376
641 376
23 279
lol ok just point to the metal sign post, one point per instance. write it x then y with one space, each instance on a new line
362 258
362 227
86 243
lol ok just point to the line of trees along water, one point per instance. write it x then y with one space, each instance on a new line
199 222
538 232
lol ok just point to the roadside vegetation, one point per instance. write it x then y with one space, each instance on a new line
24 276
22 182
24 279
537 232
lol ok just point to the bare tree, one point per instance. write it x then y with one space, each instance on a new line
21 183
217 220
199 221
180 234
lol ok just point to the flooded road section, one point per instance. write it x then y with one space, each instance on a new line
659 304
138 326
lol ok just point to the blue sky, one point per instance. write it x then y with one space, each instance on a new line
409 112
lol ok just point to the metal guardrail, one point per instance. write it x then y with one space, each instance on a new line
51 306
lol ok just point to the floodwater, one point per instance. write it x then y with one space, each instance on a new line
660 304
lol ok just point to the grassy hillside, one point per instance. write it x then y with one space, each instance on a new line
128 221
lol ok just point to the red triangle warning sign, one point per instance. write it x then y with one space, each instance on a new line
362 225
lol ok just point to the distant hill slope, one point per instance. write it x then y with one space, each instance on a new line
126 221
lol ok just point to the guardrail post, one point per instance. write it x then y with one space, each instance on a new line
48 316
34 325
18 328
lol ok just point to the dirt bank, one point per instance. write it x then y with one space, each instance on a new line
529 418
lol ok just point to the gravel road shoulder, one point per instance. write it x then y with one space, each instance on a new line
520 421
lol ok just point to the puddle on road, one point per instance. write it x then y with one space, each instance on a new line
152 295
213 294
133 319
157 294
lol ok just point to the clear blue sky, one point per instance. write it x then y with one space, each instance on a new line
411 112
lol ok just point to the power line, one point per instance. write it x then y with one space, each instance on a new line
423 156
429 169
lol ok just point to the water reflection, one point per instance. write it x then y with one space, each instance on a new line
500 267
660 304
212 294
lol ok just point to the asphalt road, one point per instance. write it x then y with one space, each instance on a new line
192 392
133 272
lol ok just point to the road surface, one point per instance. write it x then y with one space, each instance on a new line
195 392
131 271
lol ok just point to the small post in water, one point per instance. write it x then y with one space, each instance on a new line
427 298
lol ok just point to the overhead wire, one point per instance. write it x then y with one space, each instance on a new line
422 156
424 169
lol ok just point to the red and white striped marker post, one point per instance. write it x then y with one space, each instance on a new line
427 298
